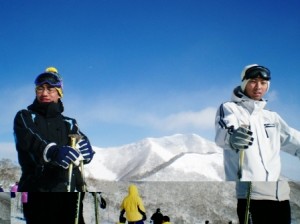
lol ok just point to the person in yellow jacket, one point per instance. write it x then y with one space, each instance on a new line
133 206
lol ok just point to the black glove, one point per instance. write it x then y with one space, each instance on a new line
62 156
122 219
144 217
241 138
86 150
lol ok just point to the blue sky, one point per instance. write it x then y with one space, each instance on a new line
139 68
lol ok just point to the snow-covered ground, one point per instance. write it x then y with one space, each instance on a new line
183 202
4 208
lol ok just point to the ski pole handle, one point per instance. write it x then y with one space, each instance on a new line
73 140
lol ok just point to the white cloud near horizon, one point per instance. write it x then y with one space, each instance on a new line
174 112
184 120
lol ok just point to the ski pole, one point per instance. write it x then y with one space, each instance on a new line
242 157
241 163
84 187
70 171
78 208
96 207
240 174
74 138
247 213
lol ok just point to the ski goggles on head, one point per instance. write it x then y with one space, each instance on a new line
50 78
257 71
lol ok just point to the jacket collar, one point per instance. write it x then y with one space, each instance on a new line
47 109
251 105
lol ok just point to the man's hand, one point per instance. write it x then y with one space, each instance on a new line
241 138
86 150
62 156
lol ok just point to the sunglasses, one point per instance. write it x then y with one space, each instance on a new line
50 78
257 71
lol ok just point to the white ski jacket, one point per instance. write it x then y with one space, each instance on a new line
261 190
271 134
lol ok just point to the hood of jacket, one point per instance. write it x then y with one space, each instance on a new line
238 96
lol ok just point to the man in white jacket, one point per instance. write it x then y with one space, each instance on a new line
252 138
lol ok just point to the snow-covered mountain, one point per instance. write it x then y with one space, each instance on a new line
172 158
180 157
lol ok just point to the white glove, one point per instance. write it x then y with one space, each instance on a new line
241 138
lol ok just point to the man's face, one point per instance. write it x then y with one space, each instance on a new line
256 88
46 94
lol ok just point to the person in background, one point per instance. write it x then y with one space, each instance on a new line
42 137
252 137
166 219
24 200
14 189
1 188
133 206
157 217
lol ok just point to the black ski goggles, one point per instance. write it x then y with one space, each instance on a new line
50 78
257 71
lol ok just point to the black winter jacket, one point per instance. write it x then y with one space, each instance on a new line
34 129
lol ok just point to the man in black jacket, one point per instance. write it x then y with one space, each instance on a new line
157 217
42 135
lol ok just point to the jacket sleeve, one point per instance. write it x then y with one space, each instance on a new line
225 123
289 138
141 205
75 129
27 136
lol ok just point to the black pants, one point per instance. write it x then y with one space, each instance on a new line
53 208
25 210
265 211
